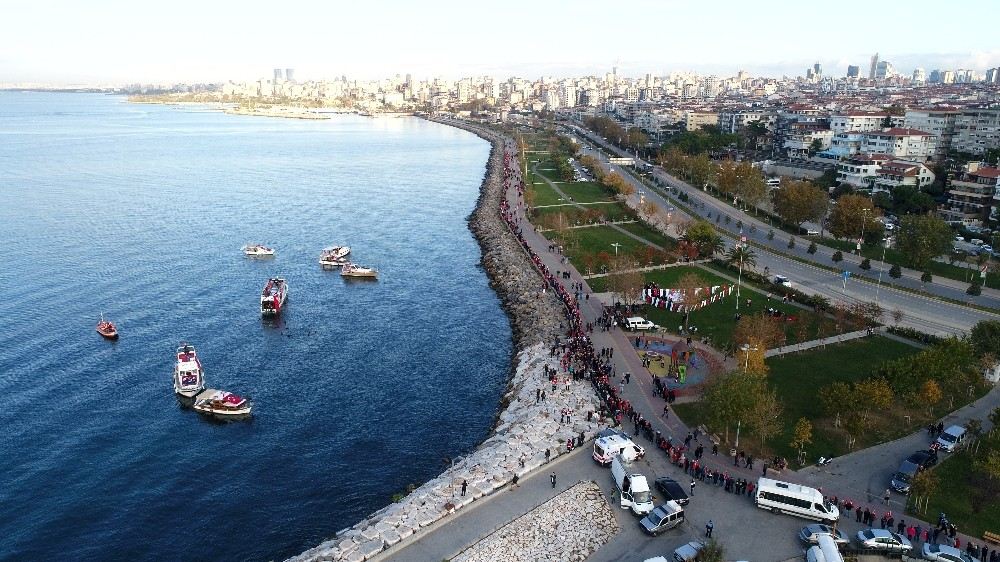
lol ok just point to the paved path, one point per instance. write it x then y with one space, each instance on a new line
811 344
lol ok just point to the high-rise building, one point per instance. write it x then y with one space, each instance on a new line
874 67
290 74
919 76
278 75
993 76
884 69
818 69
853 71
935 76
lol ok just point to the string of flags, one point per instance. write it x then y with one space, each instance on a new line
673 300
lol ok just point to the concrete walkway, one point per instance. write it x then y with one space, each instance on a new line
812 344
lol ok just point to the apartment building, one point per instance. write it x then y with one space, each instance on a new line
896 173
694 120
910 144
860 121
844 145
973 196
977 130
799 138
940 123
736 120
859 171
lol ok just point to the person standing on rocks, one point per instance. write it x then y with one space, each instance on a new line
465 486
552 478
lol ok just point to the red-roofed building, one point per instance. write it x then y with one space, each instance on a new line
973 196
896 173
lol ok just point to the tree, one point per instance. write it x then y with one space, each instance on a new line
873 394
930 393
713 552
897 316
624 282
760 332
895 271
726 178
985 336
921 238
910 200
866 264
989 464
648 209
741 255
922 486
815 146
926 277
701 169
974 289
751 186
703 236
802 435
727 401
688 286
791 242
854 215
836 398
764 416
812 248
838 256
800 201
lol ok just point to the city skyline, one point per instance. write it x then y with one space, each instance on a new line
61 43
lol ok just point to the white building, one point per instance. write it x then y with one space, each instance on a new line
861 170
977 130
896 173
900 143
861 121
940 123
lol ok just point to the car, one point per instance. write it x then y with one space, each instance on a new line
688 552
924 459
639 323
782 280
944 553
672 490
883 541
662 518
810 534
812 232
960 239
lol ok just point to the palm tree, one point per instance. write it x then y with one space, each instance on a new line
741 254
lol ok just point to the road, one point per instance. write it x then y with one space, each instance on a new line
927 314
704 205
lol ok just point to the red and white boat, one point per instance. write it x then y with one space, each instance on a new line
273 297
189 377
222 403
107 329
334 256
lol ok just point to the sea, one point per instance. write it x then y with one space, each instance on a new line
360 388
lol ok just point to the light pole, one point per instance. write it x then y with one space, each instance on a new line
616 245
746 349
880 270
739 280
863 222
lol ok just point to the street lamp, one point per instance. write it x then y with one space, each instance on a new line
739 280
864 221
746 349
616 245
881 268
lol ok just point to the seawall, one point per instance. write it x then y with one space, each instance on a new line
525 428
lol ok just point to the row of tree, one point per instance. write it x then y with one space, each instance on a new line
631 138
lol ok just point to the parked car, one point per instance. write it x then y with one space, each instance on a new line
960 239
883 541
909 468
782 280
810 534
688 552
639 323
662 518
944 553
951 438
672 490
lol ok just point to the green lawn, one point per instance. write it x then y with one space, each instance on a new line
544 194
664 277
589 214
651 234
959 493
580 243
796 377
586 191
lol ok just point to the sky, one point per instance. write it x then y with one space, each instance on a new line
114 41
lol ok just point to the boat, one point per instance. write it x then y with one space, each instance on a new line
274 295
222 403
257 251
354 270
107 329
189 377
334 256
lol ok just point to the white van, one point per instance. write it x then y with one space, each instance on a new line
633 489
951 438
639 323
825 551
605 449
794 499
773 182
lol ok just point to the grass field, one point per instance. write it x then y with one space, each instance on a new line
651 234
590 214
959 495
586 191
544 194
796 378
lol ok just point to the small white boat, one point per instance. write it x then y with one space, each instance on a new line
258 251
222 403
189 377
354 270
273 297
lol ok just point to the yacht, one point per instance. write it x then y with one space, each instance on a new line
222 403
354 270
189 377
258 251
273 297
107 329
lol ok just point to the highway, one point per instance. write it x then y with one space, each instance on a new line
927 314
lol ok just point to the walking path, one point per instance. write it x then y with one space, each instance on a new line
811 344
647 268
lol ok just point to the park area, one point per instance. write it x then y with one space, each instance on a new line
965 492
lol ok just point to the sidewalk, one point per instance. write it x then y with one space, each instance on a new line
820 342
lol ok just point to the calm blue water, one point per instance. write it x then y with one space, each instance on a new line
139 212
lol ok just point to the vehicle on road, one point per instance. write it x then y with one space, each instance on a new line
633 489
639 323
826 550
773 182
794 499
900 480
944 553
672 490
782 280
951 438
662 518
812 232
882 540
605 448
810 534
688 552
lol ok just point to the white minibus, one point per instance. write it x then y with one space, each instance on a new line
794 499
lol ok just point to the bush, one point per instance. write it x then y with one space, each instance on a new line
812 248
728 220
791 242
975 289
770 234
866 264
926 277
838 256
912 334
895 271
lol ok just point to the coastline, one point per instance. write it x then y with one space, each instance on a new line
525 432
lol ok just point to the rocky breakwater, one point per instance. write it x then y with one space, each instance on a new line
570 526
530 431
